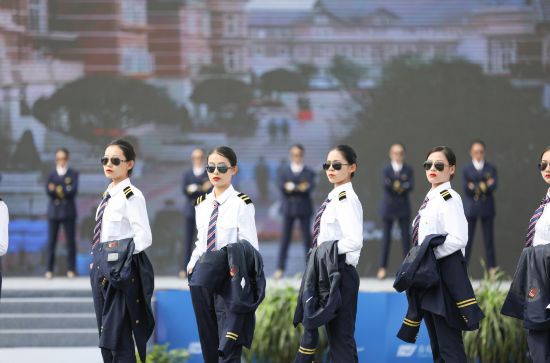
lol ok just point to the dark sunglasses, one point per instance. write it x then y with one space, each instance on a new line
115 161
439 165
543 165
335 164
222 168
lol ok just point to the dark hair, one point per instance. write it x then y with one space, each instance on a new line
448 152
299 147
398 144
477 142
226 152
544 151
64 150
127 150
348 153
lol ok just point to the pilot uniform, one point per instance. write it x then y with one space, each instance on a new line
442 213
62 187
221 220
398 181
4 221
121 214
193 181
479 203
340 218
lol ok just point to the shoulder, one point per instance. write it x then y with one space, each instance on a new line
490 166
243 197
200 199
407 168
449 197
3 207
347 196
72 172
131 192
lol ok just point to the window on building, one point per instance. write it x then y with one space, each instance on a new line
231 25
38 15
502 53
231 59
136 60
134 12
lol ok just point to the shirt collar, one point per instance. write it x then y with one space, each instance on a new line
225 195
478 164
439 189
198 171
61 171
296 168
396 167
344 187
113 190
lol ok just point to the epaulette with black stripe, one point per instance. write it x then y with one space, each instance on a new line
342 195
200 200
245 198
446 194
128 192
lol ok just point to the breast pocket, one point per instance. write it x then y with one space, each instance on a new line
428 222
329 224
112 225
228 230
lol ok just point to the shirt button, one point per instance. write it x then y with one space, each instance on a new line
137 321
133 279
137 301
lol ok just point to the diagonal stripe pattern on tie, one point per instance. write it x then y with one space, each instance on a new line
211 239
99 219
317 224
530 236
416 223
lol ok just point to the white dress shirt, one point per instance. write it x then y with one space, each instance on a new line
235 222
4 221
342 221
61 170
296 168
396 167
444 217
126 217
478 164
542 228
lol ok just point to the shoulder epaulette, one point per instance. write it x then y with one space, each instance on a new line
342 195
245 198
445 194
200 200
128 192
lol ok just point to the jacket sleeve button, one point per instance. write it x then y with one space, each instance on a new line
137 321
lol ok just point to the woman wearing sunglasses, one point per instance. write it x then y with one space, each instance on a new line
122 214
442 212
340 218
223 216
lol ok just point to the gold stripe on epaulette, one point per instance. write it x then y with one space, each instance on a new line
200 200
342 195
445 194
245 198
128 192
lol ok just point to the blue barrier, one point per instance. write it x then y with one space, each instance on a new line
379 317
27 235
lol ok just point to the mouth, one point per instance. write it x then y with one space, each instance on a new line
547 176
216 178
331 175
108 171
432 175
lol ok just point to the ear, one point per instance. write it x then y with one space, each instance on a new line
353 168
235 170
131 164
452 169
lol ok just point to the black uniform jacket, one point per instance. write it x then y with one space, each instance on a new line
529 293
236 273
452 298
62 192
132 295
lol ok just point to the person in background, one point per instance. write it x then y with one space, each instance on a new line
4 221
195 184
296 182
62 188
261 172
398 182
479 179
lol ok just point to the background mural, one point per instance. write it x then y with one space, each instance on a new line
260 75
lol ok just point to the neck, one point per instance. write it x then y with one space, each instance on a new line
118 180
337 184
435 185
220 189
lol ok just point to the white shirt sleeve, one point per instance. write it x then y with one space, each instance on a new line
4 221
349 214
247 225
139 221
452 219
200 246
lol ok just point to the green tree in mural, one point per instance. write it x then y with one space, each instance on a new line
306 71
281 80
90 106
347 72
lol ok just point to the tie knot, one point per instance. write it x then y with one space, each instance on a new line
106 196
216 204
545 200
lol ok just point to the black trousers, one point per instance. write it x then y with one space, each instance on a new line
288 223
210 314
69 226
487 224
188 239
446 342
404 226
539 345
341 329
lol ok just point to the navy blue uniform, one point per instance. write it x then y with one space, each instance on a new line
479 203
396 206
62 190
296 204
189 178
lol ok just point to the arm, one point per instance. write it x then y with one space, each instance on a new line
468 185
200 245
350 219
4 221
492 181
409 184
50 187
387 182
71 192
137 215
454 222
247 225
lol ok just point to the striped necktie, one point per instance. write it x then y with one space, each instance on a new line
99 219
533 222
211 240
416 223
317 224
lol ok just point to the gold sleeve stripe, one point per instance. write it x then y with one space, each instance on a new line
306 351
233 334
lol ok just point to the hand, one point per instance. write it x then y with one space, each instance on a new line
490 181
303 186
59 191
189 271
191 188
482 187
289 186
471 186
51 187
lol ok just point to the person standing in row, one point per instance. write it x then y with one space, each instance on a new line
340 218
195 184
62 188
398 181
480 182
296 182
124 314
4 221
223 216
